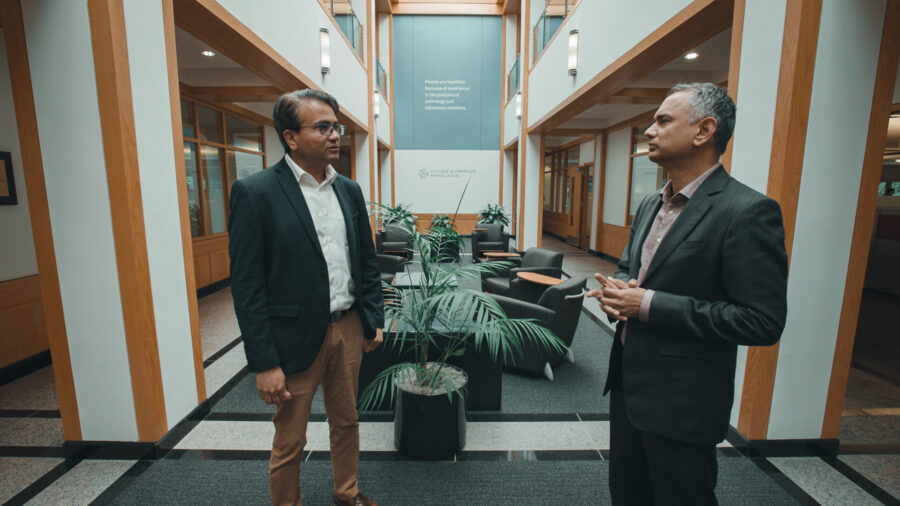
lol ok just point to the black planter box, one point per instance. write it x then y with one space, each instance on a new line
485 385
429 427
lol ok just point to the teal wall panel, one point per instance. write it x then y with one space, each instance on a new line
447 77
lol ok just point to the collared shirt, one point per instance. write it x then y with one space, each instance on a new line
331 231
669 211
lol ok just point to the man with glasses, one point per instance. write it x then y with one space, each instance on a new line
307 290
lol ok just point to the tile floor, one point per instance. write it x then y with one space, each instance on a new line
33 471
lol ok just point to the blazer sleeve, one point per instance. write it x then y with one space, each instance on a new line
754 276
372 298
246 249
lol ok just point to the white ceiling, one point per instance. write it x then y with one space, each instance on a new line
195 69
711 66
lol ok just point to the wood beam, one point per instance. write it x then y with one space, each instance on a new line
39 213
453 9
238 93
867 202
572 132
798 59
208 21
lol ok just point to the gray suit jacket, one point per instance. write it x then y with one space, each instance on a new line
720 276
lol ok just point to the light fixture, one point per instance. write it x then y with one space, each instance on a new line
376 104
519 105
693 55
325 50
573 52
207 52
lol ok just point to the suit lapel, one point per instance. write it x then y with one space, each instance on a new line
291 189
694 211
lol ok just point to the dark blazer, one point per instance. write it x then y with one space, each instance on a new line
720 276
279 279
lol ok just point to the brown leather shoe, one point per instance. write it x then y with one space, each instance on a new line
359 500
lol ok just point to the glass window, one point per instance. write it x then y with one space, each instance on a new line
241 165
573 156
646 177
214 188
242 134
187 119
210 124
641 141
193 187
548 190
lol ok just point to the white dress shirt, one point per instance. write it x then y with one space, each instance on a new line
331 230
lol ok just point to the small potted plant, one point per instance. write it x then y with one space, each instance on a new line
493 214
433 322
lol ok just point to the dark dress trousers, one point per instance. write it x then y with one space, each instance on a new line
720 276
279 278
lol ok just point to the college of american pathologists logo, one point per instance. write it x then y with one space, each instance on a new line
423 173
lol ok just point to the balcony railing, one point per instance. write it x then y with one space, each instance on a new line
381 78
555 12
512 80
348 22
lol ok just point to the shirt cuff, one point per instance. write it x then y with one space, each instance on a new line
644 311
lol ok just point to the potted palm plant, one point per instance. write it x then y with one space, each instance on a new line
445 239
493 214
433 321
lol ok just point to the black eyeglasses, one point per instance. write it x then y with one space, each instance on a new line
326 128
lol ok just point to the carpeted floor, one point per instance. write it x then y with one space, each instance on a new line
576 387
219 482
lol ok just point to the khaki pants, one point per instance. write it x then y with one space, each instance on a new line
336 368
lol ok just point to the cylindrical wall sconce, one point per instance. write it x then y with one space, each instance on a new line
573 52
324 50
376 103
519 105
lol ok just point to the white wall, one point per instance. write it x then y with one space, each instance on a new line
508 176
383 122
618 159
512 126
757 92
607 30
848 45
363 176
598 198
17 258
59 46
291 27
432 181
756 100
511 21
144 28
532 204
274 151
385 164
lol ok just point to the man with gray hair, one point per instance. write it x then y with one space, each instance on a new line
705 270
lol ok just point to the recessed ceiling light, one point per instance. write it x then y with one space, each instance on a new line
693 55
208 53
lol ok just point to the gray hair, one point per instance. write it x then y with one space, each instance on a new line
285 113
709 101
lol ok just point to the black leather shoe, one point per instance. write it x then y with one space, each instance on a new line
359 500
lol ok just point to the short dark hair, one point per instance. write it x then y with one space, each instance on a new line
709 101
285 113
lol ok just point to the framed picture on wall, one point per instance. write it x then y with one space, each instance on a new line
7 183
